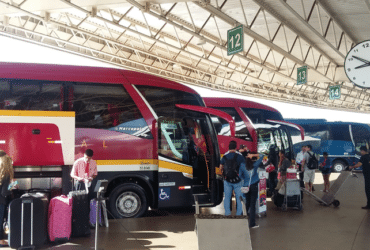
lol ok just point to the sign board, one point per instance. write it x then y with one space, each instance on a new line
235 40
334 92
302 75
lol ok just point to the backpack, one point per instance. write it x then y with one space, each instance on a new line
231 170
312 162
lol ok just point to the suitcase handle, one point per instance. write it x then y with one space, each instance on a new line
25 201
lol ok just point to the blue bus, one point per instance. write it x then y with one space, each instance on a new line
342 140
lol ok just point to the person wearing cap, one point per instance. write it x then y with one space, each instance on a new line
84 170
365 163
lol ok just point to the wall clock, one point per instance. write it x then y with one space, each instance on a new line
357 64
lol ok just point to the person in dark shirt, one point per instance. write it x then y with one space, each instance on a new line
365 163
236 186
272 159
325 168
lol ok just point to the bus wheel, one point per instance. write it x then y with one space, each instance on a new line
339 166
128 201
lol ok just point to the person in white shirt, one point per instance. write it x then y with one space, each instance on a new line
309 174
299 160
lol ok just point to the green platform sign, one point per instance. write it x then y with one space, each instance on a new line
235 40
334 92
302 75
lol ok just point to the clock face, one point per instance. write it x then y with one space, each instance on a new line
357 64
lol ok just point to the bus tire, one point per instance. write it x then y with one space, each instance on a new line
338 166
128 201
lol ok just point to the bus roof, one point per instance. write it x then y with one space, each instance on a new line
233 102
321 121
69 73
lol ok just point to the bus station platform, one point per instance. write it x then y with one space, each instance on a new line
315 227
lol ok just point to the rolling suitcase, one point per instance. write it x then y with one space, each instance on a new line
93 213
27 220
60 219
80 213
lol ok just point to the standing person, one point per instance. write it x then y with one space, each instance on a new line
284 164
365 163
233 170
251 180
84 170
272 159
6 176
299 160
325 167
247 153
244 150
309 167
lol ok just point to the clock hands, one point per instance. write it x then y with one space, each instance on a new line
361 59
367 63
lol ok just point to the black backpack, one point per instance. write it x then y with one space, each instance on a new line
231 170
312 162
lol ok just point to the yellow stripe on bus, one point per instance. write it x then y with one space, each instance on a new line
127 162
177 167
37 113
162 164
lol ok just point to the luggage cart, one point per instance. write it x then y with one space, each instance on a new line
329 198
292 196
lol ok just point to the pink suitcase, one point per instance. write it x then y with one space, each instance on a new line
60 219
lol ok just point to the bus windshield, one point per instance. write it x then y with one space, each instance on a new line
272 136
361 136
265 140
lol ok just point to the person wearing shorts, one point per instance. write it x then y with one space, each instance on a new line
325 167
308 174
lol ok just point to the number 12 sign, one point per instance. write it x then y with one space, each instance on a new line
235 40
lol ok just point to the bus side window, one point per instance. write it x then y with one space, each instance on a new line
108 107
30 95
82 115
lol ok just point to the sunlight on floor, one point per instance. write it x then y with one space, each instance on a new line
319 179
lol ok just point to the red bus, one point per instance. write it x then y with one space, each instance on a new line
153 139
257 126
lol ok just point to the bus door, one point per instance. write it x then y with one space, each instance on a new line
187 148
182 160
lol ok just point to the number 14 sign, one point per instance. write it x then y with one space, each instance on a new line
334 92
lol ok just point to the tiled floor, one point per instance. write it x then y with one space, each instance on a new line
316 227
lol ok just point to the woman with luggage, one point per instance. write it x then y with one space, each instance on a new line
325 167
6 176
283 166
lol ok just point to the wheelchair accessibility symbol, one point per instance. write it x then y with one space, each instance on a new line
164 194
